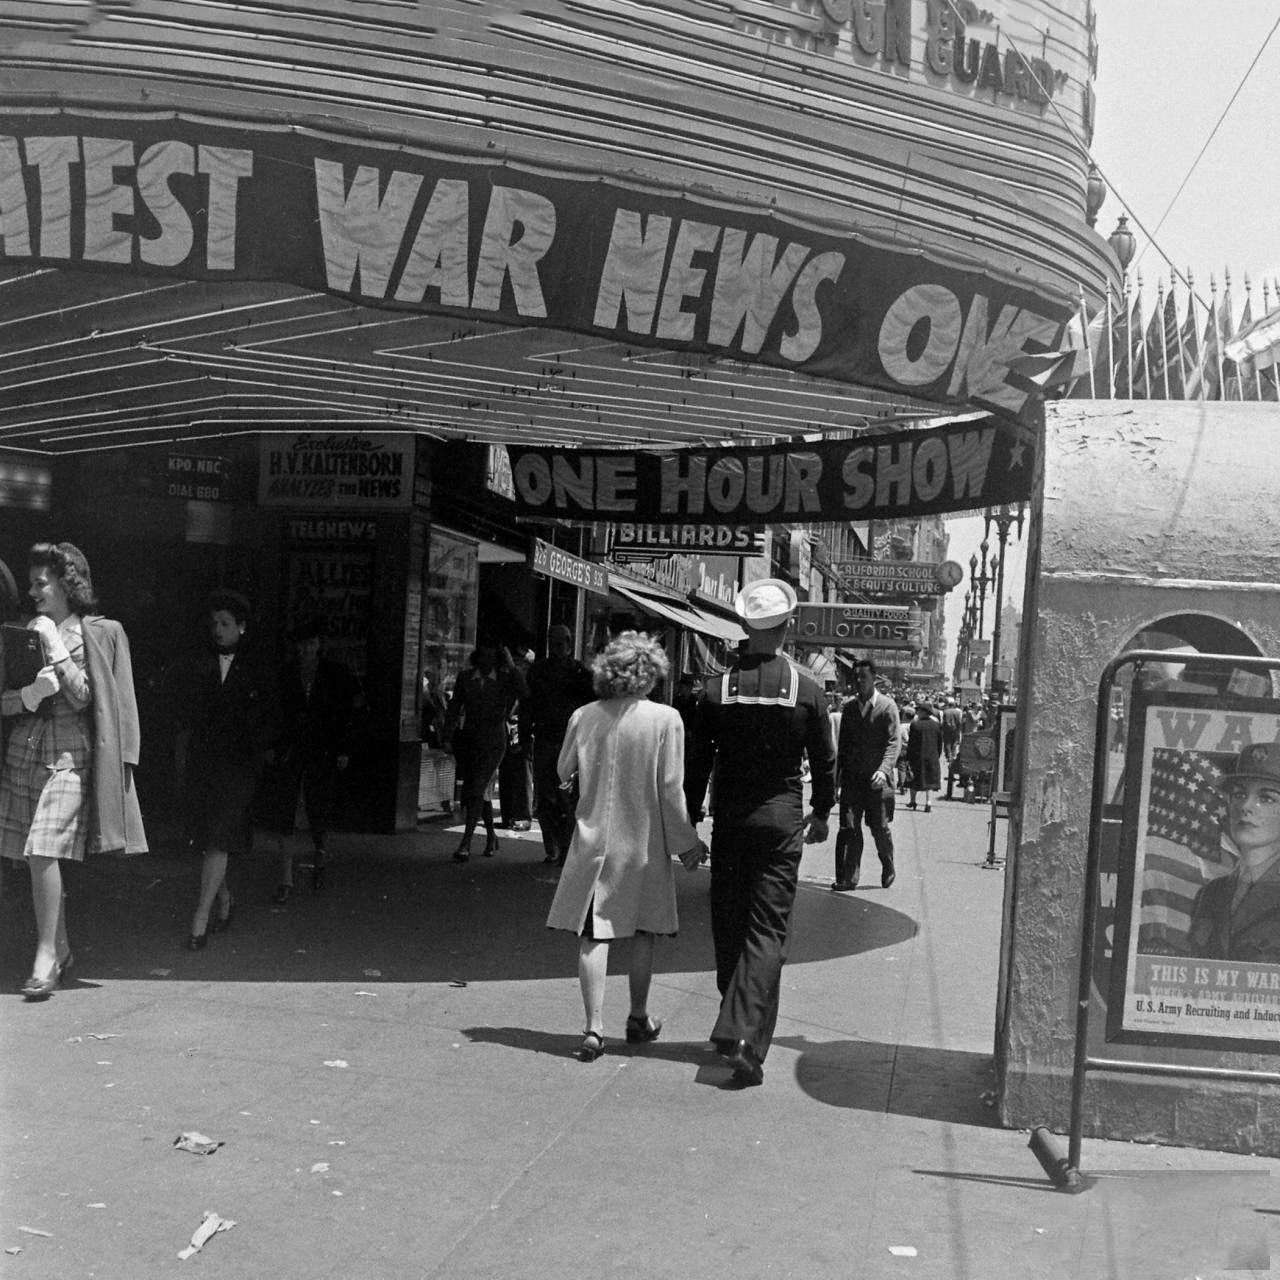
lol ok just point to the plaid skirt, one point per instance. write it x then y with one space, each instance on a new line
44 812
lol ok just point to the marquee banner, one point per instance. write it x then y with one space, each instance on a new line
405 228
956 466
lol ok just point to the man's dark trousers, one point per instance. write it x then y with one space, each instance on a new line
856 806
553 807
754 870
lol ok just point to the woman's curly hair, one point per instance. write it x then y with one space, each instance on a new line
631 663
71 567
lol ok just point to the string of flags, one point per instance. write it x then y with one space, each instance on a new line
1171 348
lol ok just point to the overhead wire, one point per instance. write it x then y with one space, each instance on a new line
1213 133
1152 242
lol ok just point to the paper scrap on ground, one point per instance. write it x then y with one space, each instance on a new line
337 1062
105 1035
902 1250
321 1166
210 1226
365 993
373 973
196 1143
35 1231
15 1251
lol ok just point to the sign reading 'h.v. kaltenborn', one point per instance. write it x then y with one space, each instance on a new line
405 228
957 466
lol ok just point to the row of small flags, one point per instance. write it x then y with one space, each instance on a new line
1197 351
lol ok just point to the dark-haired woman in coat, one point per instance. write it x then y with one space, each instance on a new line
924 754
67 787
228 711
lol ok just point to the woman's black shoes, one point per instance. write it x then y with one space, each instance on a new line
222 923
591 1048
282 894
642 1029
463 852
491 846
198 941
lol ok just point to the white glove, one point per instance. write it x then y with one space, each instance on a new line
50 638
43 686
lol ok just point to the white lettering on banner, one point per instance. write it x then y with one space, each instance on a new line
111 176
363 227
977 354
751 284
724 484
924 468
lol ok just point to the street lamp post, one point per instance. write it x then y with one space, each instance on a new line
980 577
1002 517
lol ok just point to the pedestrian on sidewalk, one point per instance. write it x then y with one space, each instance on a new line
558 685
515 773
318 698
952 730
67 786
924 755
475 731
906 714
227 702
627 754
753 726
868 750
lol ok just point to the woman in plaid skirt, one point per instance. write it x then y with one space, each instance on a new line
67 784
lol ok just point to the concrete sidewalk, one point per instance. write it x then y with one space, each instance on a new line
388 1067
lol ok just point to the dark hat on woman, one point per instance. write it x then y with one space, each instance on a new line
1261 760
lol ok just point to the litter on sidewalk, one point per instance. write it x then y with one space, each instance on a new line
210 1226
196 1143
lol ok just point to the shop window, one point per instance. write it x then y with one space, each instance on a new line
449 624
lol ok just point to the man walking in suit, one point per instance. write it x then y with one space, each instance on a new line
865 756
754 724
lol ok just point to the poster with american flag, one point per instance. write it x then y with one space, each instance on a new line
1176 839
1186 845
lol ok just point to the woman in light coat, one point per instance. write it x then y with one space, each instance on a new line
627 755
67 787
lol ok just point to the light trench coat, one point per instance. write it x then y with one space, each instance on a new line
628 754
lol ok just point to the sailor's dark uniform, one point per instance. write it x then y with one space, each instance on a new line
754 725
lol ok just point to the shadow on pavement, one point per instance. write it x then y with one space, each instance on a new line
903 1080
696 1054
395 909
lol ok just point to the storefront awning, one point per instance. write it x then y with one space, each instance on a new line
683 615
721 628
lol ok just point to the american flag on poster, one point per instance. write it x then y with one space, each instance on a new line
1185 847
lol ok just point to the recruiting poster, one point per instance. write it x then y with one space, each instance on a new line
1197 955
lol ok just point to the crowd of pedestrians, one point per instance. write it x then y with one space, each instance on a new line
617 779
